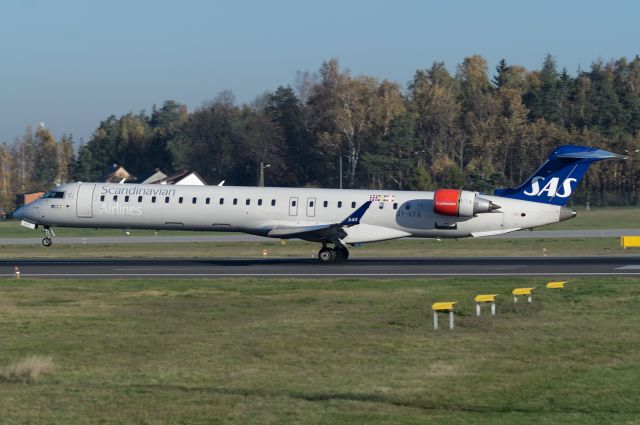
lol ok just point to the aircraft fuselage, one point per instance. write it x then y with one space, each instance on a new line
257 210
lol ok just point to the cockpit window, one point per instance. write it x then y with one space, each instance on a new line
54 195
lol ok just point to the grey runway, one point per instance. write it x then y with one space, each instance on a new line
167 238
310 268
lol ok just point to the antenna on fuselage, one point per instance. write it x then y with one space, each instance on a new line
221 183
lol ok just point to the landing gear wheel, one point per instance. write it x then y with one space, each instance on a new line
342 253
48 232
326 255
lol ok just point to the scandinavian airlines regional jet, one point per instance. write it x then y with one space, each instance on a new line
333 217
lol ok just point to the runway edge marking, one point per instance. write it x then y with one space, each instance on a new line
26 275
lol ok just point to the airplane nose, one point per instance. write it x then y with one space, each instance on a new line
19 213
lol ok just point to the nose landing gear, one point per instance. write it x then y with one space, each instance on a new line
47 241
331 255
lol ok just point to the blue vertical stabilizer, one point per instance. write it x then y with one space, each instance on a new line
555 181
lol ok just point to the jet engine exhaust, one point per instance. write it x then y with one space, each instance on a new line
461 203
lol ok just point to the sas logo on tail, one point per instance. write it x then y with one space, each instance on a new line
551 187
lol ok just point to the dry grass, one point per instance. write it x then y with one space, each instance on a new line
28 369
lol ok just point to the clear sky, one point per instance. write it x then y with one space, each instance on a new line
72 63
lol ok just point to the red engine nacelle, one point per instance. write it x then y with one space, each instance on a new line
460 203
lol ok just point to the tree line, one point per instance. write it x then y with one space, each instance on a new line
471 129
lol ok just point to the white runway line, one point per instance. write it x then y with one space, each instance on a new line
25 275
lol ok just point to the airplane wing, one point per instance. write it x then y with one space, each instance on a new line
320 231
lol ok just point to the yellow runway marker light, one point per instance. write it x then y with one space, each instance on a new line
486 298
445 306
630 241
522 291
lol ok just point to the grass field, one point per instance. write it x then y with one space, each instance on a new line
319 352
298 249
601 218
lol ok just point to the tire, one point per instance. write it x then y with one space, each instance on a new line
342 254
327 255
47 242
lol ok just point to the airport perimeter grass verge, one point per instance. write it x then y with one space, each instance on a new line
298 249
342 351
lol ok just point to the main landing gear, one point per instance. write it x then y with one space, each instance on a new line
47 240
331 255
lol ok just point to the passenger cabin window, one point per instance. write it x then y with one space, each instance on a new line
235 201
53 195
353 204
248 201
221 201
259 201
126 198
166 199
139 198
207 201
180 199
339 204
153 199
273 202
325 204
115 198
194 200
407 207
101 198
395 205
381 205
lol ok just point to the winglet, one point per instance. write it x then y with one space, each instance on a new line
356 216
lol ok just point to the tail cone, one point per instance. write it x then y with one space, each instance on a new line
566 214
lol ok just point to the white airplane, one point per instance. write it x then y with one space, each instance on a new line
333 217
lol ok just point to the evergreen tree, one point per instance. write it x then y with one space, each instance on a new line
6 165
437 112
46 164
546 102
501 71
286 110
211 144
167 132
86 168
609 115
23 153
65 159
392 161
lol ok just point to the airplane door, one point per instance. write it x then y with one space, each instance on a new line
84 203
293 206
311 207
